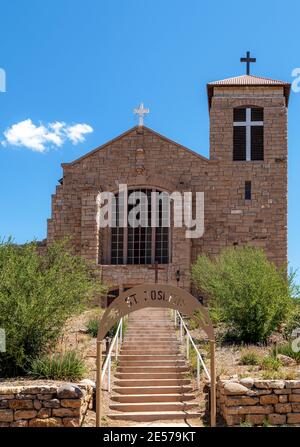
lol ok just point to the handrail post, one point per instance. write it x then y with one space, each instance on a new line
198 372
108 374
181 329
213 409
117 347
98 383
175 318
121 332
187 346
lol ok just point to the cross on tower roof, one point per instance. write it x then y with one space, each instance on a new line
141 111
248 60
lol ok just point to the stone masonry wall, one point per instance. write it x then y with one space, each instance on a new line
276 402
44 405
143 158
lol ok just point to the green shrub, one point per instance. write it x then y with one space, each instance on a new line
38 293
252 295
67 366
249 358
271 363
92 327
287 349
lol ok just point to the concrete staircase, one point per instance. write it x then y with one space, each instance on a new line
151 381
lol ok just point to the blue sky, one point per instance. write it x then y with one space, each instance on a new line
93 61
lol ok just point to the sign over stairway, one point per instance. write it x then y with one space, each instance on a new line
159 296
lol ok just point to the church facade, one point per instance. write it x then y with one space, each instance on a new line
244 182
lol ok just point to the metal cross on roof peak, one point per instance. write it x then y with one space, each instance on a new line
141 111
248 60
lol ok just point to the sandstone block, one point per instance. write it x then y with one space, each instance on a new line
255 419
267 384
293 418
277 419
53 403
70 422
20 423
294 397
44 413
66 412
251 409
69 391
6 415
233 388
70 403
50 422
269 399
242 400
20 404
283 408
37 405
25 414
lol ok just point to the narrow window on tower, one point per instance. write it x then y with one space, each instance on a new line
247 190
248 133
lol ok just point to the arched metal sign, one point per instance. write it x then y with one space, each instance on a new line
156 295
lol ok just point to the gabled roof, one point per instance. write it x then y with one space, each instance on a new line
248 80
136 128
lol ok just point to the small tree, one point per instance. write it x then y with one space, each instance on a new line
248 291
37 295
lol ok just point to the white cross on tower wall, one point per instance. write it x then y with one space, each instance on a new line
141 111
248 123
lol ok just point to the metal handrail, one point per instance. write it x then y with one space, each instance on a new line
117 340
189 340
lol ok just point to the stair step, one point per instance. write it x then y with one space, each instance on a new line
151 382
155 389
126 398
153 406
148 369
154 416
151 375
150 351
142 344
153 362
152 357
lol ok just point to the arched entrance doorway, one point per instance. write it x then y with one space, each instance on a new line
163 296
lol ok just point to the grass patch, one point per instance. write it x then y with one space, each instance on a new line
287 350
271 363
249 357
92 327
67 366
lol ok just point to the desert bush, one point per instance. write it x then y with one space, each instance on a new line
252 295
286 349
92 327
270 363
66 366
38 293
249 357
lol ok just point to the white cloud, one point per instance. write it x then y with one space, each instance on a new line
76 133
42 137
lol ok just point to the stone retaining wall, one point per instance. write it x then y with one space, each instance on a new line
275 402
44 405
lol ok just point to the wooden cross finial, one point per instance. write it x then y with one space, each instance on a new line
248 61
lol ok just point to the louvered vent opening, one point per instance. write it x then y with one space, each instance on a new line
239 143
239 114
257 143
257 114
247 190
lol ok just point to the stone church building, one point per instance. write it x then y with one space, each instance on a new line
244 182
